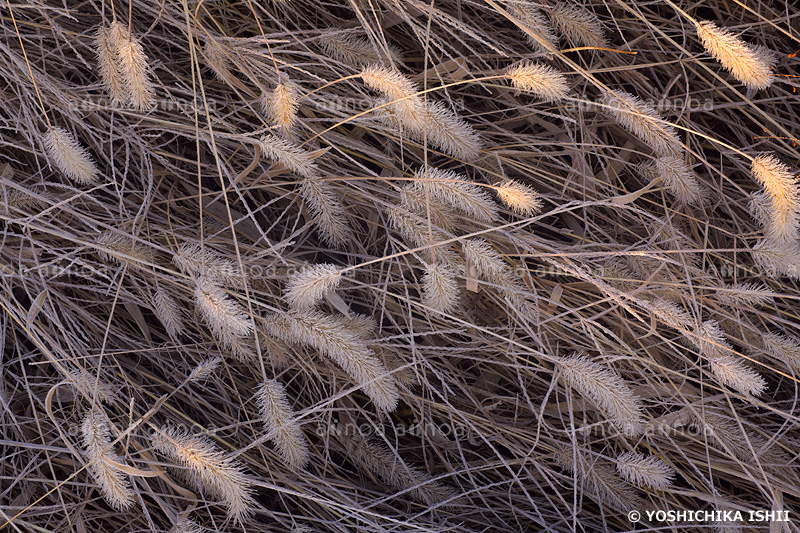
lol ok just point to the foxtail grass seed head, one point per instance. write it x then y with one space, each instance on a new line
750 65
676 176
69 156
389 82
221 313
217 58
534 25
201 261
347 48
778 257
292 157
392 470
644 471
282 428
455 190
745 294
106 44
605 389
783 191
308 286
209 469
732 372
440 289
334 339
186 525
543 81
327 211
204 369
445 130
642 120
134 67
520 198
122 248
671 314
88 384
103 464
710 341
579 25
281 104
598 478
417 199
168 312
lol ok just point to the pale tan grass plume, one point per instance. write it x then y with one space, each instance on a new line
642 120
106 46
538 32
748 64
545 82
645 471
439 287
69 156
334 339
605 389
783 191
519 197
579 25
280 422
210 469
134 67
307 287
103 464
455 190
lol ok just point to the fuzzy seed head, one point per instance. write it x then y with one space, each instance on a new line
104 465
389 82
783 191
605 389
778 257
217 59
642 120
221 313
106 44
730 371
543 81
534 24
598 478
168 312
676 176
439 287
292 157
333 337
209 469
309 285
710 341
644 471
281 104
133 65
204 369
327 212
579 25
201 261
415 198
520 198
748 64
88 384
454 189
69 156
392 470
745 294
282 428
347 48
672 315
